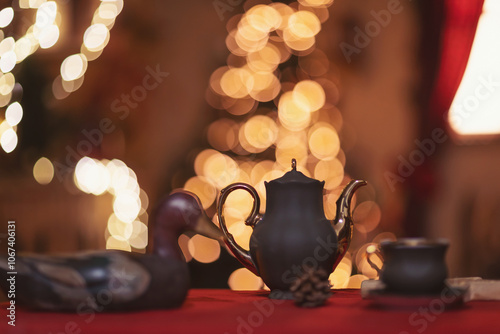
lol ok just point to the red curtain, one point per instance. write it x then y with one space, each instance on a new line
448 30
457 35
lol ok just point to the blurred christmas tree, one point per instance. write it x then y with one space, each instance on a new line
275 103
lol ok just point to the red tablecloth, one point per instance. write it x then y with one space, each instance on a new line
224 311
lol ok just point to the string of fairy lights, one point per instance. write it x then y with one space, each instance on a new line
127 225
278 104
124 228
44 34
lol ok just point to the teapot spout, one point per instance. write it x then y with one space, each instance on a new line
343 220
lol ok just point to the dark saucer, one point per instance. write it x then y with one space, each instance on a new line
450 297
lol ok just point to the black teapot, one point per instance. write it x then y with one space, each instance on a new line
294 232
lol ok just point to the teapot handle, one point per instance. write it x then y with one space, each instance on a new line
240 253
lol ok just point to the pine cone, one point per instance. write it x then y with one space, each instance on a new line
312 288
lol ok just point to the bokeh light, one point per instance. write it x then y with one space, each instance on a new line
240 203
241 233
127 206
309 95
46 15
139 238
96 37
73 67
298 43
355 281
284 10
260 132
236 82
264 18
203 249
7 45
291 147
8 61
8 140
292 116
222 134
243 279
303 24
43 171
130 202
23 48
118 243
324 142
7 82
6 16
202 187
332 172
362 261
266 59
340 277
48 36
5 99
14 114
316 3
91 176
221 170
71 86
119 229
107 12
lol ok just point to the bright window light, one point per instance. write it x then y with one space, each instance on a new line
476 107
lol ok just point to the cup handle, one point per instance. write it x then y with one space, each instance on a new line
374 250
239 252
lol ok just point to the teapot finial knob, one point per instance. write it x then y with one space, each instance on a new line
294 164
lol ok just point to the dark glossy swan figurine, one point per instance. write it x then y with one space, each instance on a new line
115 280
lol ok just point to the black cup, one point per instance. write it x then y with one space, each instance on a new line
413 265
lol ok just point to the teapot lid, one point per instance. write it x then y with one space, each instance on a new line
294 176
